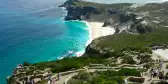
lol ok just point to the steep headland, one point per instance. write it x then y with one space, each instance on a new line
145 22
123 17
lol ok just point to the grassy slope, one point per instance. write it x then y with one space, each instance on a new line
111 77
69 63
119 41
103 6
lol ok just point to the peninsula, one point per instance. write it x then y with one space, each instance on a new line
129 43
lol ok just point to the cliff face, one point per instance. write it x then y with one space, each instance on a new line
68 3
80 13
114 15
93 48
124 17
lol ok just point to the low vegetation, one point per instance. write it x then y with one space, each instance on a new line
102 6
69 63
106 77
86 59
120 41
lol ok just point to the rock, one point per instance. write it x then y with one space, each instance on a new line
75 13
72 18
94 49
124 17
91 49
113 11
7 78
106 23
68 3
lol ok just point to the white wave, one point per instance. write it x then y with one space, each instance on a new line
90 32
65 11
59 58
80 53
88 28
70 52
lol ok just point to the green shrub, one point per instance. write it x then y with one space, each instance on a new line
128 60
30 72
43 82
26 64
129 72
20 75
75 81
99 80
120 41
85 76
114 65
119 80
167 66
139 80
69 63
148 65
167 73
166 77
106 77
163 82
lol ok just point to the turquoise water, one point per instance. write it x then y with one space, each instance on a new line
34 31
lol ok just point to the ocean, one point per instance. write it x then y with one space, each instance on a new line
34 31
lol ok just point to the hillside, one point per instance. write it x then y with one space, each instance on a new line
124 17
138 30
120 41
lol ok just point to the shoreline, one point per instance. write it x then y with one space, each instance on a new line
95 30
99 31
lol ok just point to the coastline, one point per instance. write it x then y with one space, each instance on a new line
95 30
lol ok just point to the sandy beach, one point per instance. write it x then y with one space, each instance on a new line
162 53
98 31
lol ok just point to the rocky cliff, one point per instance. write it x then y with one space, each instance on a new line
119 16
125 18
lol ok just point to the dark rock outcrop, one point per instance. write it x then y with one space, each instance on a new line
113 11
79 13
94 49
121 19
125 17
68 3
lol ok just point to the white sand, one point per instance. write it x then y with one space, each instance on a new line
98 31
166 26
162 53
